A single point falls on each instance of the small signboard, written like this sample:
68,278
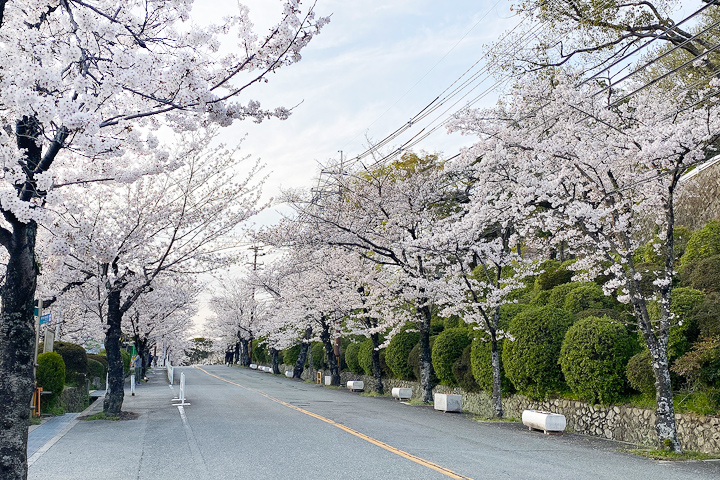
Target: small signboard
47,318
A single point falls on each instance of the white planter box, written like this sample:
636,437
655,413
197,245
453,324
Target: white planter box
546,421
402,393
289,373
355,386
268,369
328,379
253,366
448,402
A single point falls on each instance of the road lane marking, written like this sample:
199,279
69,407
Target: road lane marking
389,448
198,459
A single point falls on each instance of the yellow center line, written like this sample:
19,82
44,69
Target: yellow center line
389,448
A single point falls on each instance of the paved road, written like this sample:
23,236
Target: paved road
245,424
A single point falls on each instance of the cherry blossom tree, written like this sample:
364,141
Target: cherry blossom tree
96,78
594,175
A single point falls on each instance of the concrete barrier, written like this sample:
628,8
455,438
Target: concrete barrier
548,422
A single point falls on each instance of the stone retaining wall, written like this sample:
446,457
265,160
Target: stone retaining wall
626,424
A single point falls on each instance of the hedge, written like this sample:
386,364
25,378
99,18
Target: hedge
480,359
559,293
585,297
593,358
259,352
684,329
554,274
126,361
51,376
74,357
462,371
317,353
290,355
98,358
397,354
365,356
414,360
447,348
639,373
351,358
703,243
531,356
707,316
96,369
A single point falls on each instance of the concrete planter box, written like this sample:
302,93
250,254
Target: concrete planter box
546,421
289,373
402,393
355,386
253,366
328,379
448,402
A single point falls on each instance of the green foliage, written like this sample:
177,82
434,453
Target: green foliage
593,357
290,355
701,365
703,274
554,274
259,352
96,369
448,347
51,376
640,374
200,349
531,356
509,311
684,329
558,294
648,254
707,316
397,354
584,297
317,353
98,358
540,298
414,360
351,358
365,356
480,359
703,243
74,357
462,371
126,361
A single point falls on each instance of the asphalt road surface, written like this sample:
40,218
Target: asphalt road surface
246,424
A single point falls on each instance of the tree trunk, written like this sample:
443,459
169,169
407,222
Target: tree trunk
236,354
275,361
116,378
426,368
300,363
330,353
377,368
244,354
497,379
17,349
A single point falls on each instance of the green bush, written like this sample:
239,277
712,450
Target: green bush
51,376
414,360
397,354
317,353
707,316
126,361
593,358
448,347
351,358
365,356
290,355
703,243
531,356
703,274
684,329
480,359
509,311
98,358
386,372
540,298
586,296
462,371
260,352
554,274
559,293
639,373
701,365
74,357
96,369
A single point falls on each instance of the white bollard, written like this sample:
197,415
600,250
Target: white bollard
289,373
107,383
170,373
181,396
132,385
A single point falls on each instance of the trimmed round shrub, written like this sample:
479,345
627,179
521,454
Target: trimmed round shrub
708,316
558,294
317,353
414,360
397,353
126,358
703,274
448,347
593,358
96,369
684,329
462,371
509,311
554,274
351,358
639,373
365,356
386,372
540,298
481,358
74,357
703,243
98,358
51,376
585,297
531,356
259,352
290,355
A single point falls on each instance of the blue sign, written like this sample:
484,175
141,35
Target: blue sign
47,318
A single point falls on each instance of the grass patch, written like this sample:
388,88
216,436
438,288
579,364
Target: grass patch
372,394
100,416
34,421
418,401
668,455
497,420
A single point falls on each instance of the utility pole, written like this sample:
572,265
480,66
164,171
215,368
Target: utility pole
256,252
